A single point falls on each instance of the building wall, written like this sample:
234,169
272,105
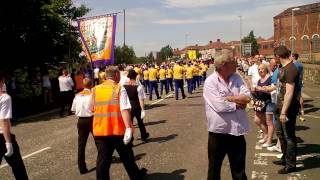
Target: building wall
306,27
266,47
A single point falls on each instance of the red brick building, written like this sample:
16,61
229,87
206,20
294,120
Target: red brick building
299,29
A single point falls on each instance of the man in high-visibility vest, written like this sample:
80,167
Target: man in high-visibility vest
178,71
112,127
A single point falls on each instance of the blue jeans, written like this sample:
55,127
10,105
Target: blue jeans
153,85
178,83
287,134
163,83
169,83
190,86
146,85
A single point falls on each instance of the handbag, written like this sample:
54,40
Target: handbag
259,105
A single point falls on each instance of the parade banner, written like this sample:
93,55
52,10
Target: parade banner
192,54
97,36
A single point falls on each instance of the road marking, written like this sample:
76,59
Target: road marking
260,160
270,154
161,99
29,155
259,175
312,116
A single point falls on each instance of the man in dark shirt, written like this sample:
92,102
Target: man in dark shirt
288,105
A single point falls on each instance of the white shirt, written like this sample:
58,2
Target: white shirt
124,79
82,105
124,99
141,93
46,81
65,83
253,71
5,108
96,73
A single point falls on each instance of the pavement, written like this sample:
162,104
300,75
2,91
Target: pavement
176,149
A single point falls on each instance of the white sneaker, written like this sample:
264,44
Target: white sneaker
265,145
274,149
261,141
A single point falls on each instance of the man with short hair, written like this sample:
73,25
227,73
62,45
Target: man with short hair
112,127
9,148
226,97
66,91
288,105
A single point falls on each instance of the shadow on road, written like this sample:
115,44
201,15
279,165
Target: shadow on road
157,139
154,122
194,96
301,128
314,160
116,159
314,109
175,175
150,106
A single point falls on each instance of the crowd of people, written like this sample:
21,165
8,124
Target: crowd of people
107,104
275,87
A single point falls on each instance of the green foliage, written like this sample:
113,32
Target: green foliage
37,31
198,54
254,45
124,55
166,52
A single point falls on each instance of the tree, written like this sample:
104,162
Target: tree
254,45
124,55
38,32
166,52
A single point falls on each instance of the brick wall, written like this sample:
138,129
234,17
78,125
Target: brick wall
306,25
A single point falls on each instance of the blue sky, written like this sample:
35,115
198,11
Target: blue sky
152,24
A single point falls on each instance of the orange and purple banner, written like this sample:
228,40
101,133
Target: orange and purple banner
97,37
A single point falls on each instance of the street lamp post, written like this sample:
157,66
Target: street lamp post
292,28
240,17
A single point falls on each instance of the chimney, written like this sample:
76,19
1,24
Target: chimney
218,40
210,42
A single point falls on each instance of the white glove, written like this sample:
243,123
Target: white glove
9,149
143,114
127,136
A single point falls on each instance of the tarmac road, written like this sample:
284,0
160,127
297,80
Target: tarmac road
177,147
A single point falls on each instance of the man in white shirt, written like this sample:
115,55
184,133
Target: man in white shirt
82,106
9,148
253,72
66,91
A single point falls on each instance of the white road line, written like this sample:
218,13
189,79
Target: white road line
29,155
161,99
312,116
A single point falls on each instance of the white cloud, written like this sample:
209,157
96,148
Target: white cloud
198,20
197,3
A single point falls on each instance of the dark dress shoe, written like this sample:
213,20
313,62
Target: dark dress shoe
84,171
286,170
142,173
145,137
279,162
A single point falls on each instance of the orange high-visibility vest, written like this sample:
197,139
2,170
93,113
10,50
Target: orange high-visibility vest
107,119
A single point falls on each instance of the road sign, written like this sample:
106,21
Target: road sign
246,49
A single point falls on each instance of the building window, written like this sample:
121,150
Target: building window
292,44
265,47
305,44
315,43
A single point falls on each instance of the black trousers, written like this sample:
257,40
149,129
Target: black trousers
287,135
106,146
136,113
84,128
15,160
66,98
220,145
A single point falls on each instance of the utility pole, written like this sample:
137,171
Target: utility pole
124,34
240,35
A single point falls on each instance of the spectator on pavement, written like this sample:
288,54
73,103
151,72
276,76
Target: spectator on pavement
66,91
226,97
288,104
9,148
